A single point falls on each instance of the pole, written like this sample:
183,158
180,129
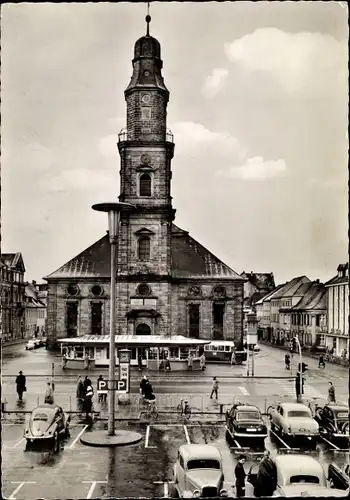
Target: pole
111,375
247,359
53,376
253,362
301,368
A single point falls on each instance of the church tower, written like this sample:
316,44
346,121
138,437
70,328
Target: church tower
146,148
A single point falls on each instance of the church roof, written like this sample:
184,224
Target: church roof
189,260
13,260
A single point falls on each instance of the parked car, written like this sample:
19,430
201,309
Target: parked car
198,472
333,420
338,477
30,345
47,424
293,420
297,476
245,421
38,342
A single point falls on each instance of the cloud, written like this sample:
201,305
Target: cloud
215,82
257,169
108,146
299,61
79,179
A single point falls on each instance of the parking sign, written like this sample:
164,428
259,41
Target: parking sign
102,387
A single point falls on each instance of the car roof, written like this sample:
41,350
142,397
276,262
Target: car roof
294,406
337,407
298,464
247,407
199,451
46,407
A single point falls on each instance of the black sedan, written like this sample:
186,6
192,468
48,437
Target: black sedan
245,421
333,421
338,477
47,425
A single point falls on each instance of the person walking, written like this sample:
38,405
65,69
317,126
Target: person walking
148,394
215,388
87,383
233,358
139,360
202,361
331,393
48,394
80,388
87,404
287,361
240,475
190,361
266,480
20,385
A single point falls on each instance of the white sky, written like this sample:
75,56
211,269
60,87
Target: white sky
258,107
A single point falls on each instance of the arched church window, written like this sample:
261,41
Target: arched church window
144,249
145,185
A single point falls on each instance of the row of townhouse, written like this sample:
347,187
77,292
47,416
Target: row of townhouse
23,305
318,313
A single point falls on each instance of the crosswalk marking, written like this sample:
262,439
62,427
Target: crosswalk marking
309,390
244,391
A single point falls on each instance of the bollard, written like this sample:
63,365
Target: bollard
37,401
221,408
70,403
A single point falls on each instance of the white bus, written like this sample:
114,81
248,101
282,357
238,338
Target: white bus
221,350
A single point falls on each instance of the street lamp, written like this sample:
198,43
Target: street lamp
113,209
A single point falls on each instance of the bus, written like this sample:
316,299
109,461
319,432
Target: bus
221,351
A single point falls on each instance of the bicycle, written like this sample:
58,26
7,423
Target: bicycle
183,409
152,410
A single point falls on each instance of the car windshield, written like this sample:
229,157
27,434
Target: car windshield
203,464
43,417
248,415
298,413
304,479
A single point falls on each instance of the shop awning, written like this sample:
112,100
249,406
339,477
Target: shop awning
135,340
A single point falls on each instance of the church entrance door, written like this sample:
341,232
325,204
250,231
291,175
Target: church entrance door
143,329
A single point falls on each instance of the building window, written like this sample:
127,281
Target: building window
145,185
144,248
146,113
97,290
317,320
143,329
72,290
96,318
193,315
218,321
72,319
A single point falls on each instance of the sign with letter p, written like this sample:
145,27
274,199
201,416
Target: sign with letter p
102,387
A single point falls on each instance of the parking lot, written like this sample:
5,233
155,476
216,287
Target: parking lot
143,469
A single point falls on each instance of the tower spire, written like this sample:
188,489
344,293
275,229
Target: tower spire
148,19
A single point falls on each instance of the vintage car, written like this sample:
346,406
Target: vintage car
293,420
245,421
338,477
333,421
297,476
47,424
198,472
30,345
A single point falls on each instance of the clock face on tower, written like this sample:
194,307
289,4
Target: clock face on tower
146,98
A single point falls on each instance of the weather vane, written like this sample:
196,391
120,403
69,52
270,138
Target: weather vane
148,18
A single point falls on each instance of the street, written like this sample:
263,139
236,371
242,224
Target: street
145,469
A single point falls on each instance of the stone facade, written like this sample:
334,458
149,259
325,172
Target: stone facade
167,283
12,297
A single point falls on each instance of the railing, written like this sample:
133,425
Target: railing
123,135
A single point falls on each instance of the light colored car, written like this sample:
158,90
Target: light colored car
298,476
293,420
30,345
198,472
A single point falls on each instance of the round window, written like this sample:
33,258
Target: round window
72,290
96,290
144,290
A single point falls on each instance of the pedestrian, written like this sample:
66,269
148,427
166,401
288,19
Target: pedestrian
148,394
143,383
87,383
87,405
139,359
266,480
215,388
298,386
321,362
233,358
202,361
80,388
48,394
287,361
240,477
20,385
190,361
331,393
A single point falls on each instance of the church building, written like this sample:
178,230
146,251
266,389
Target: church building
168,284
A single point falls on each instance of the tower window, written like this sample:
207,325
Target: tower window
72,319
144,248
218,321
145,185
146,113
96,318
193,313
